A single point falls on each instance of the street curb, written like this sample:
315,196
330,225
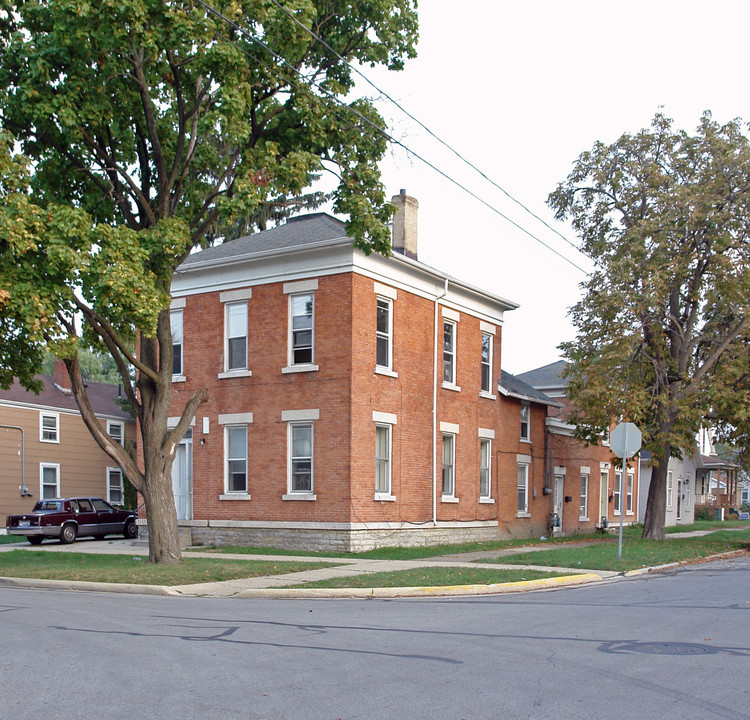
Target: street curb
87,586
428,591
682,563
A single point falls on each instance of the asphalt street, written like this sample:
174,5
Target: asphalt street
664,645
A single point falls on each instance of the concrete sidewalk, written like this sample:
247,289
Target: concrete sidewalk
270,585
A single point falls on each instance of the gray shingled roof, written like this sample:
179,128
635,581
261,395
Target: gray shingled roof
295,232
547,376
103,397
510,385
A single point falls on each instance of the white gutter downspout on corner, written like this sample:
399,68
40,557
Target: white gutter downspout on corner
434,408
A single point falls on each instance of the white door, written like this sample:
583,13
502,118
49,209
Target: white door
557,505
182,478
679,499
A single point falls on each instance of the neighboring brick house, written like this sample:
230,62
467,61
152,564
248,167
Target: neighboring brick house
586,485
47,451
353,398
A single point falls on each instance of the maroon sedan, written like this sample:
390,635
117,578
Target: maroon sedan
69,518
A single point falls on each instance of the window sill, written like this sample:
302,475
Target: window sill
234,374
54,442
384,497
178,378
299,496
583,519
379,370
299,368
487,395
525,440
523,515
486,501
234,496
448,499
450,386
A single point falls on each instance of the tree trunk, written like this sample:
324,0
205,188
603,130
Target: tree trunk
163,535
653,522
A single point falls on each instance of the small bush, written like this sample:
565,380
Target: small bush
704,513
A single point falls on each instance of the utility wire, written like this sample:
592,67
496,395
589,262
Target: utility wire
319,39
384,133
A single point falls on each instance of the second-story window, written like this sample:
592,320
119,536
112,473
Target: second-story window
175,321
486,362
236,319
302,328
383,353
524,421
49,427
449,352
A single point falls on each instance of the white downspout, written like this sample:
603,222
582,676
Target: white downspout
434,408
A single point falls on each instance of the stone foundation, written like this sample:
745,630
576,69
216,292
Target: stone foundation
336,537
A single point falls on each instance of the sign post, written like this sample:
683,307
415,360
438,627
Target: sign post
624,441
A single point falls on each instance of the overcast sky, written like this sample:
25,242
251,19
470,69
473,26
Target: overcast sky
521,89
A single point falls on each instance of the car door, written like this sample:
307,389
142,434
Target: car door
109,518
86,515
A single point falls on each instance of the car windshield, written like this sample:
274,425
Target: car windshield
47,505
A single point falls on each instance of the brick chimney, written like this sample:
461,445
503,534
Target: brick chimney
404,236
62,379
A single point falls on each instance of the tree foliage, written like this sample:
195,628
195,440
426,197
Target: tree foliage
662,330
137,130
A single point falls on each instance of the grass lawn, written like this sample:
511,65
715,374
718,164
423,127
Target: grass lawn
11,539
430,577
636,552
136,569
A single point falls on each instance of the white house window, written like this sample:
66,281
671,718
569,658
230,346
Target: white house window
175,321
49,427
687,490
523,488
524,421
115,431
236,462
486,362
301,341
114,486
485,460
49,480
449,464
301,458
236,333
584,504
384,334
670,489
618,488
383,459
449,352
629,495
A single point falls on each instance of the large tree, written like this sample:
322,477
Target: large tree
138,130
663,327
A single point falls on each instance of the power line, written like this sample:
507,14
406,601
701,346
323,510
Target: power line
385,134
445,144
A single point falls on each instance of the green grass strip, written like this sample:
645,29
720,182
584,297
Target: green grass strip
136,568
429,577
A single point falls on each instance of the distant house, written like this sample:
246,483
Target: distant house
586,485
47,451
681,491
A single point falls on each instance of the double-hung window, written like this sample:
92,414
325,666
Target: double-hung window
449,465
236,458
114,486
629,494
301,458
449,352
175,321
115,431
384,334
687,490
49,480
301,341
618,492
523,488
382,459
486,363
524,421
236,345
584,501
49,427
670,489
485,461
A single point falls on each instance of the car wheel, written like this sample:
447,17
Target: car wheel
35,539
131,530
68,534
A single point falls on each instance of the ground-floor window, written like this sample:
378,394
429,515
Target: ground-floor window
584,504
300,457
485,459
523,488
49,480
114,486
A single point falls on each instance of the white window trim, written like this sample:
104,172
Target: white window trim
121,425
450,322
488,392
630,481
385,495
45,414
239,371
42,467
388,367
524,463
293,419
228,425
670,489
385,291
584,516
488,497
527,436
122,485
180,376
448,433
291,366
